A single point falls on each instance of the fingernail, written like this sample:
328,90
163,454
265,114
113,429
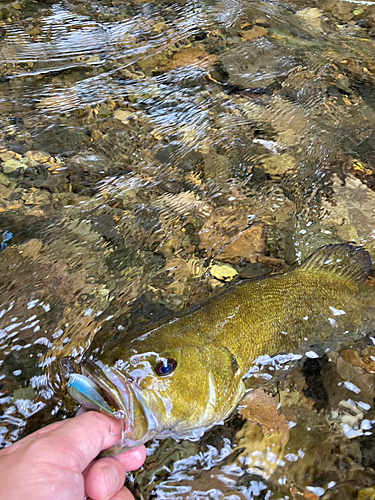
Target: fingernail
111,478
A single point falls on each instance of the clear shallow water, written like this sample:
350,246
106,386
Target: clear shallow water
142,144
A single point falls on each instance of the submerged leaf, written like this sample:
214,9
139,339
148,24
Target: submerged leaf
223,272
260,408
264,435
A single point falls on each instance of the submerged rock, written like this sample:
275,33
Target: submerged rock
7,155
257,64
278,165
226,237
351,211
10,166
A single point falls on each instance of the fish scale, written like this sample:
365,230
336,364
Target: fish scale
207,350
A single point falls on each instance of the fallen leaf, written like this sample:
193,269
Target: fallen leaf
364,359
223,272
366,494
309,495
260,408
264,434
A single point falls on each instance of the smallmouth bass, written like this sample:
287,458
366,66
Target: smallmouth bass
180,378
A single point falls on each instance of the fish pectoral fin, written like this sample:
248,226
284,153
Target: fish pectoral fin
226,375
348,262
225,360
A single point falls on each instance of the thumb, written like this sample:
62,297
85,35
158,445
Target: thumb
87,435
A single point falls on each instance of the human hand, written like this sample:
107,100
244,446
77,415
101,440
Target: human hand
57,462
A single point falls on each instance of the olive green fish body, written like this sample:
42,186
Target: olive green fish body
183,376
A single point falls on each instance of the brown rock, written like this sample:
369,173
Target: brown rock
223,225
278,165
34,197
272,261
247,245
96,134
364,359
37,156
226,237
7,155
255,32
31,248
191,57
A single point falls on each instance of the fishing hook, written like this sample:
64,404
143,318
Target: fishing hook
120,415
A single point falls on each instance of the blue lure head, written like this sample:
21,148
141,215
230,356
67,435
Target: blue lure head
87,393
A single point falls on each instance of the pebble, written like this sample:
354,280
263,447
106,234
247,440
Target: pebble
53,167
37,156
34,197
96,134
7,155
11,165
4,180
123,115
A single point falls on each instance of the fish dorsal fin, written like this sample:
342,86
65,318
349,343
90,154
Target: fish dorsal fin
345,261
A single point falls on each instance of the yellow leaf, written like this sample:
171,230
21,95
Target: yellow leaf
223,272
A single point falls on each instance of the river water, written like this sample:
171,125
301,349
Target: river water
155,152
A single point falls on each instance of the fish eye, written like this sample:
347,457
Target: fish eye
165,367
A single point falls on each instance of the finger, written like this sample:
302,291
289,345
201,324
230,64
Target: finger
26,439
48,428
132,459
86,436
105,478
123,494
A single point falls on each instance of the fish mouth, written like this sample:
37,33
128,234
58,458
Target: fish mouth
109,392
128,402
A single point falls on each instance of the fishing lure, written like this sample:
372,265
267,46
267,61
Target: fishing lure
87,393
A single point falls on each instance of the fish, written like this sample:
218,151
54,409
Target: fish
184,375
